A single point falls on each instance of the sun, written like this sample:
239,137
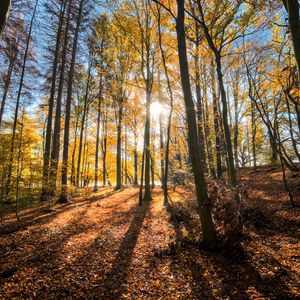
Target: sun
156,109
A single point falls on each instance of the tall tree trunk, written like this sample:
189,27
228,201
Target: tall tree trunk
6,86
167,150
135,181
84,115
147,194
142,177
236,120
253,133
228,144
12,146
64,192
161,148
45,189
104,148
19,165
199,103
206,124
98,138
125,156
208,229
57,122
216,122
292,7
119,146
73,169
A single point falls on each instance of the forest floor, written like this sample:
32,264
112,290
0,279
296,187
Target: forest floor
103,246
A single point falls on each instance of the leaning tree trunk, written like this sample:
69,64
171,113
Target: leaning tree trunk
6,87
208,229
12,146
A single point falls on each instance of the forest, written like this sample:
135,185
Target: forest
150,149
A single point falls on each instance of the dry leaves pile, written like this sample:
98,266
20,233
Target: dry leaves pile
105,247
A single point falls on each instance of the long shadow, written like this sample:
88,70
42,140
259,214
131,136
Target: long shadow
184,258
45,253
239,274
234,268
41,217
111,288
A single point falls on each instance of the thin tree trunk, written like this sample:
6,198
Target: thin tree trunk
73,169
216,122
19,167
12,146
199,103
228,144
167,150
236,120
6,87
135,161
119,147
253,129
161,148
207,127
84,115
104,148
98,138
147,194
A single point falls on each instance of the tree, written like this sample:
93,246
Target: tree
292,7
4,11
25,57
64,192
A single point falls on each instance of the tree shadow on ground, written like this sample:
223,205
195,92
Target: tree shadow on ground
230,272
39,216
111,288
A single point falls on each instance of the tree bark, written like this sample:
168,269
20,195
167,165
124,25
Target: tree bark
4,11
64,192
12,146
6,87
208,229
57,123
292,8
45,189
119,146
98,138
216,122
84,115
